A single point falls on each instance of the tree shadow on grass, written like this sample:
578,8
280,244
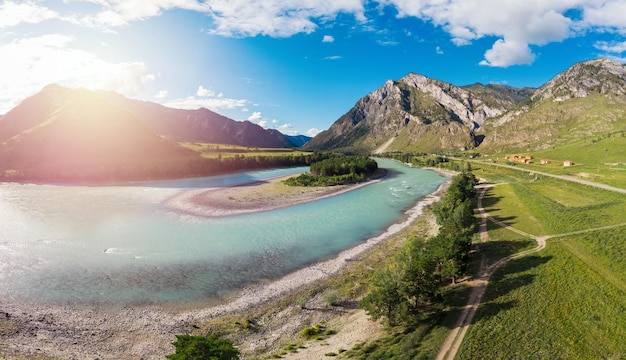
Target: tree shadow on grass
490,200
506,220
511,277
504,281
496,250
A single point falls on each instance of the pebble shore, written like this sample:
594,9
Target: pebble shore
101,331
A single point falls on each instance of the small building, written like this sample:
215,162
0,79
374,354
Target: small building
545,161
568,163
522,159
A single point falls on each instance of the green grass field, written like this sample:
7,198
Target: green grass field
567,301
555,305
601,159
546,206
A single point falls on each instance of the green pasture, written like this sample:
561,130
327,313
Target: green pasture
556,304
600,158
541,205
567,301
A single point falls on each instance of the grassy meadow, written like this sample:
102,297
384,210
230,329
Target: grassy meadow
555,305
601,159
567,301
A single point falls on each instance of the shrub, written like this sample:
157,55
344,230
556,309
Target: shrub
212,347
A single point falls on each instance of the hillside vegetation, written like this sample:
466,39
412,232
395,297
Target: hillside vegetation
418,114
557,124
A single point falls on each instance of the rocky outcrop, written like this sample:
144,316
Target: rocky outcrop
586,100
416,111
583,79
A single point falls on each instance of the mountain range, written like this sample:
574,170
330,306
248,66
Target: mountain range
77,131
61,132
420,114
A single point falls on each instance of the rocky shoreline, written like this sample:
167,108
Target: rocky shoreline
101,331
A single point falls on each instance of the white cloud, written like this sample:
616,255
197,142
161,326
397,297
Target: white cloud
162,94
313,131
274,121
214,104
516,23
505,53
209,99
116,13
387,42
12,13
29,64
256,116
334,57
611,47
263,124
438,50
606,14
277,18
203,92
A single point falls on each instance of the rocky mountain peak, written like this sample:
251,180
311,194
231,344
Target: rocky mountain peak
583,79
416,107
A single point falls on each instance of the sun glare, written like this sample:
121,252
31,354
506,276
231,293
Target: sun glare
29,64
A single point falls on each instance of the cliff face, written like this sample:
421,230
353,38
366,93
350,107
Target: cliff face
418,113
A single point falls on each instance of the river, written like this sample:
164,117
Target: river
123,245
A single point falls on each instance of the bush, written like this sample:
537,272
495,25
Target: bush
318,331
212,347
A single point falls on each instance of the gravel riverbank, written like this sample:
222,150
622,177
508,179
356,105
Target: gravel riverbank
101,331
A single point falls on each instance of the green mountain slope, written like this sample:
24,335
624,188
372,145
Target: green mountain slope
586,100
416,113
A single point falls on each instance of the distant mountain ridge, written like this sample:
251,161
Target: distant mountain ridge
62,133
201,125
298,140
417,113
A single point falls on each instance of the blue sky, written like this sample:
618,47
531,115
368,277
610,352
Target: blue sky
294,65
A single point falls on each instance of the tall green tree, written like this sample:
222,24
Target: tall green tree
410,286
404,290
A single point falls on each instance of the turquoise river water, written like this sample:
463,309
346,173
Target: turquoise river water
122,244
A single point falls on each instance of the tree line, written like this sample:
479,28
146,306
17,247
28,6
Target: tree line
409,288
336,169
125,171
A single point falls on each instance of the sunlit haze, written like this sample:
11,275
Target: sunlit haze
292,65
